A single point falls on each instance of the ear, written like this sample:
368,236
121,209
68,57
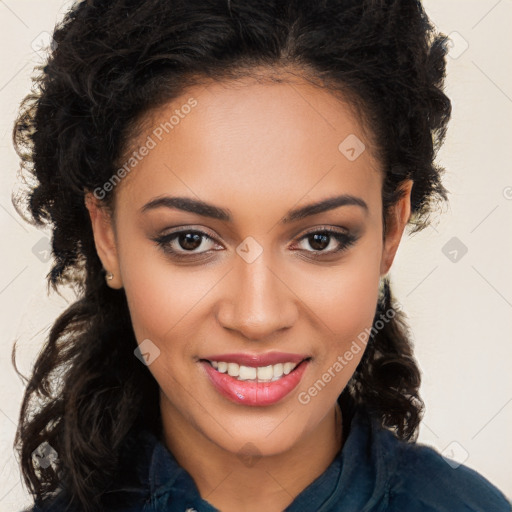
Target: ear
398,217
104,238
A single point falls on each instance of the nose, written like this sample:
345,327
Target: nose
257,301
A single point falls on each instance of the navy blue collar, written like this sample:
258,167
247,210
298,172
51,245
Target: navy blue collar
354,477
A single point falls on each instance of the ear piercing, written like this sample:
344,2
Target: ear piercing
109,276
381,289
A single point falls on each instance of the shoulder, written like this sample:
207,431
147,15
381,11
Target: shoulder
423,480
129,490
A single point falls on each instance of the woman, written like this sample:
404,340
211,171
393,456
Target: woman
228,184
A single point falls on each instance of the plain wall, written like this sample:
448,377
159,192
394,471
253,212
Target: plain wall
459,304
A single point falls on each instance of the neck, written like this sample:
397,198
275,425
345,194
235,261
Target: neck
269,482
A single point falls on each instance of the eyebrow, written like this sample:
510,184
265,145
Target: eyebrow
204,209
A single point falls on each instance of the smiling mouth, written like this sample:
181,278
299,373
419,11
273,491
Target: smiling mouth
268,373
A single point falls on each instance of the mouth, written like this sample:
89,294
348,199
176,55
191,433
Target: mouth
251,373
254,385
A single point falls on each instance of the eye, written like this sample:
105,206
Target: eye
327,241
185,243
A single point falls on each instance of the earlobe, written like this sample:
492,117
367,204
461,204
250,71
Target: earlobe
398,218
104,239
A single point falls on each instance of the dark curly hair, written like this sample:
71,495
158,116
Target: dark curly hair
113,62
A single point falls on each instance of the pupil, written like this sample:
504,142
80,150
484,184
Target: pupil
189,240
320,241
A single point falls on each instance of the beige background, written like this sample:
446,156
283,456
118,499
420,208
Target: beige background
460,312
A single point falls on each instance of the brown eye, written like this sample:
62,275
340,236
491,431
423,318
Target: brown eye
319,241
185,243
189,241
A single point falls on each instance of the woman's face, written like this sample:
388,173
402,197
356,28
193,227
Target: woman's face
249,276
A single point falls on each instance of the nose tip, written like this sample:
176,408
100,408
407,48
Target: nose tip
256,303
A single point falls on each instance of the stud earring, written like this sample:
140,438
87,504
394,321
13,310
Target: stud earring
109,276
381,289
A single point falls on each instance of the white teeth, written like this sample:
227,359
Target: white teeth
278,370
265,372
288,367
246,373
233,369
262,373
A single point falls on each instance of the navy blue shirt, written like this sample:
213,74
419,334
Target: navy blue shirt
374,472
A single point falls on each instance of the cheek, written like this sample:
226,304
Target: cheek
163,299
343,300
357,303
166,307
343,297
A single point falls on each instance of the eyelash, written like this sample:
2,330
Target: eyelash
345,240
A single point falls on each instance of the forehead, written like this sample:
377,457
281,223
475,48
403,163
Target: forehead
246,140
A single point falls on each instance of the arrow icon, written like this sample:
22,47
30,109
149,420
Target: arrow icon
454,253
42,249
351,147
147,352
249,245
454,249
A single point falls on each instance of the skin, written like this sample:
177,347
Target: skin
259,150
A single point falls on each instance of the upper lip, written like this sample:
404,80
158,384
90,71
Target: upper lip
256,360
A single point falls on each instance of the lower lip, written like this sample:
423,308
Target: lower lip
255,393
